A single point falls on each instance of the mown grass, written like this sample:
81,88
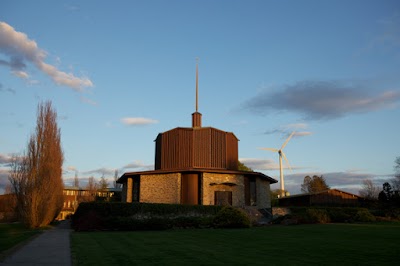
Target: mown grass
325,244
13,234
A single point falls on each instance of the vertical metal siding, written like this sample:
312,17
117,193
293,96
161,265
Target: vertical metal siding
190,189
183,148
201,148
232,151
218,149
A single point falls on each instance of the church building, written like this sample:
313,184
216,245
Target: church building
197,165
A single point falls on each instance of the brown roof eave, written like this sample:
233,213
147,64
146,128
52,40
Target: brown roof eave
247,173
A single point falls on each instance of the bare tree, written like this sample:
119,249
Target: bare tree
91,189
36,177
116,185
396,183
396,180
369,190
103,184
397,165
76,180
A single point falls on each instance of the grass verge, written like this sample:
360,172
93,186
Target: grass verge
327,244
12,235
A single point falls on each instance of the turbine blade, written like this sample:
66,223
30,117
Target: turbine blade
269,149
287,161
287,140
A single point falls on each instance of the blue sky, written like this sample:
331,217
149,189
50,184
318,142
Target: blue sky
120,72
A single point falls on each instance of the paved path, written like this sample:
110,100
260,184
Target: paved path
50,248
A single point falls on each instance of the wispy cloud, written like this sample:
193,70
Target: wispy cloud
286,130
20,49
5,159
72,168
138,121
101,171
88,101
387,37
20,74
324,100
260,164
350,181
138,165
10,90
71,7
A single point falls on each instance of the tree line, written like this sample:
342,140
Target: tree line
389,193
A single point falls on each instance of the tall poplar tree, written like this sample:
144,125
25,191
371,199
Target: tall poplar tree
36,178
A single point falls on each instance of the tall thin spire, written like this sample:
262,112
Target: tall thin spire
197,84
196,116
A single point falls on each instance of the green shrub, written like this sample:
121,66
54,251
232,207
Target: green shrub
87,221
363,215
318,216
230,217
339,215
141,216
300,215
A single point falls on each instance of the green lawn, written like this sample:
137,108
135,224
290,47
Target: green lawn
333,244
13,234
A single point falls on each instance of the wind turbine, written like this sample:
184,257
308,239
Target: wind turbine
281,154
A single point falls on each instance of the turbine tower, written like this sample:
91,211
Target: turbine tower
281,154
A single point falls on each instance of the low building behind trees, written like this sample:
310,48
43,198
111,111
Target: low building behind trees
330,197
75,195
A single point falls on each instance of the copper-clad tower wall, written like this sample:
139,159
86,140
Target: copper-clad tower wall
187,148
196,119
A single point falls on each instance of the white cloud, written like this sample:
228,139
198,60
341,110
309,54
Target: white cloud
20,74
71,168
138,165
138,121
21,49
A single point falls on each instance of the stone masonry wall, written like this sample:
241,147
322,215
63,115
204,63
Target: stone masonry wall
160,188
215,180
263,194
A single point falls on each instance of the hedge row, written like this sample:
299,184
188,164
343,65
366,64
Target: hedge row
148,216
129,209
327,215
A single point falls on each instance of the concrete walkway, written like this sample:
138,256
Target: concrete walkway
50,248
